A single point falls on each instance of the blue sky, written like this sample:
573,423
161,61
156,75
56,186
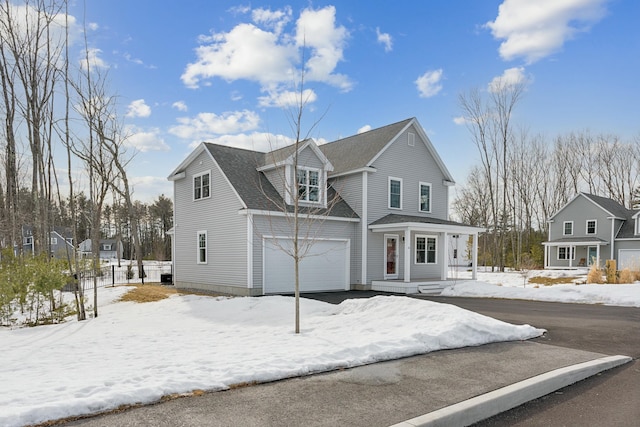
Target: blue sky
223,71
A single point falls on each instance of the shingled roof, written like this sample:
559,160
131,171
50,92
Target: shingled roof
357,151
255,190
610,205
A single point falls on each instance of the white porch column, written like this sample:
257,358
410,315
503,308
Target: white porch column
546,256
445,256
572,250
598,256
407,255
474,257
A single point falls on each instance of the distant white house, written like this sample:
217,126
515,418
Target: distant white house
109,249
459,250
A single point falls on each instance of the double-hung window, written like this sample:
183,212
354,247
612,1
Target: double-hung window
201,186
567,228
426,249
425,197
308,185
591,226
395,193
202,247
566,252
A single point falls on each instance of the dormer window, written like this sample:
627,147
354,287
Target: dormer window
308,185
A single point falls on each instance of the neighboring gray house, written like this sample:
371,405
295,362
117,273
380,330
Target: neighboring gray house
61,242
590,229
108,249
388,229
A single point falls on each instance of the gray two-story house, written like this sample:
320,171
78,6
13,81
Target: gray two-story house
373,215
590,229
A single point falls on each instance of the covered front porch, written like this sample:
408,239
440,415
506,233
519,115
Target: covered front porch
574,252
418,251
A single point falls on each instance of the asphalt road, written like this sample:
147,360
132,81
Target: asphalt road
609,399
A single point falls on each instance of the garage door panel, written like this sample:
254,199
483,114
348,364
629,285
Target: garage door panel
325,266
629,258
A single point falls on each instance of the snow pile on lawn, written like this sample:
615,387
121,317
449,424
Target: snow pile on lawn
137,353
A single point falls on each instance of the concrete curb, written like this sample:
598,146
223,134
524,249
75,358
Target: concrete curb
487,405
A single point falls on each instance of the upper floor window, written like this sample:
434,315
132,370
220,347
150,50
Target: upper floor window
591,226
395,193
54,241
202,247
425,197
308,185
201,186
106,247
567,228
426,249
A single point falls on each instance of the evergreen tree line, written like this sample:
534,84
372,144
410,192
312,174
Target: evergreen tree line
525,178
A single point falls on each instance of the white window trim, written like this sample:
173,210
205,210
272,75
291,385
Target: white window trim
637,226
568,249
564,228
595,227
193,185
415,253
54,241
411,139
426,184
206,247
106,246
391,178
322,193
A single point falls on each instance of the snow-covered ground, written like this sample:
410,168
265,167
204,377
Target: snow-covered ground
137,353
512,285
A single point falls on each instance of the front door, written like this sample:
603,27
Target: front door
592,254
391,257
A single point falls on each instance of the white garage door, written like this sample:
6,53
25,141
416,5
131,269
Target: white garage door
324,268
629,258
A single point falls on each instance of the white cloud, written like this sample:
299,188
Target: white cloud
429,83
365,128
148,188
460,120
264,52
257,141
275,20
385,39
138,108
535,29
287,99
145,140
316,29
206,126
93,26
509,78
180,106
91,59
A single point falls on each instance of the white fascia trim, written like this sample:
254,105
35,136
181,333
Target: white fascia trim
177,176
351,172
286,214
425,227
631,239
587,243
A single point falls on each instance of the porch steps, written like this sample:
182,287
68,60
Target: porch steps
431,288
427,288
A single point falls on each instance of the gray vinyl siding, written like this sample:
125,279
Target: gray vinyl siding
350,189
277,178
413,165
226,232
282,227
308,158
580,210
